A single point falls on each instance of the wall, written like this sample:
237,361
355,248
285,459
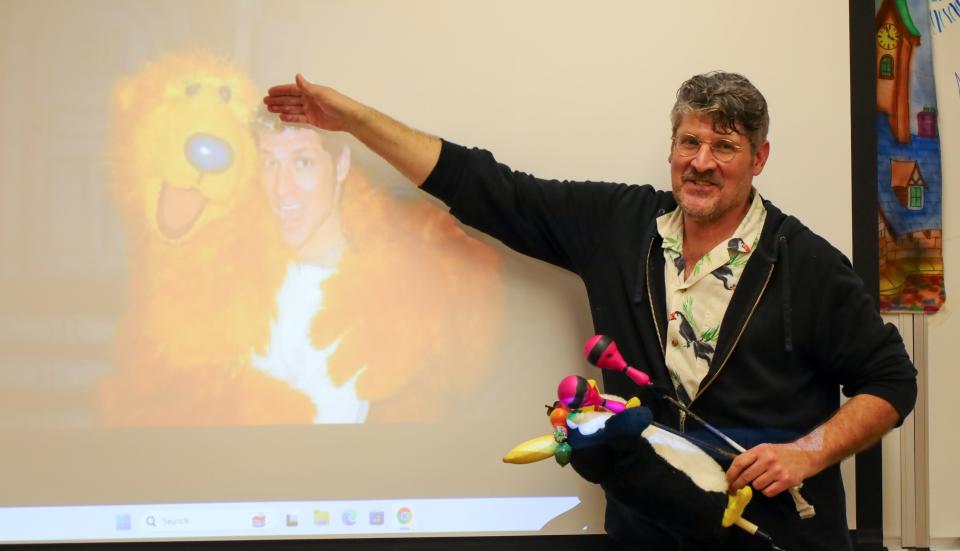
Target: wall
944,327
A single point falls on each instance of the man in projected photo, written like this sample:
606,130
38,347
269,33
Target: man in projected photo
301,177
357,322
737,308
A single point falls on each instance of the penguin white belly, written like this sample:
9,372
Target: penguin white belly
687,457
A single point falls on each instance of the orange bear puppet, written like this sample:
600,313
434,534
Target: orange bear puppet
406,323
205,255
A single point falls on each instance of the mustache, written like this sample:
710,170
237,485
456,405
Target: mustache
710,176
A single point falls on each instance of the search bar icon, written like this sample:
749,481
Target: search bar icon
216,519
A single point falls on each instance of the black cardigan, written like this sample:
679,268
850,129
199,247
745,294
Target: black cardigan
798,327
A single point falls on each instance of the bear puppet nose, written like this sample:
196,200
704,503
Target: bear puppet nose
208,153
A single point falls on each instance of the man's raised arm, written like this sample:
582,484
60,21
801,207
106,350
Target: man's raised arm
410,151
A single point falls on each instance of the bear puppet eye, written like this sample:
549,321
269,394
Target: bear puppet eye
225,93
192,88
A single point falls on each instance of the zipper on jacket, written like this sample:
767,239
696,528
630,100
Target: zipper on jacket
737,340
656,325
653,312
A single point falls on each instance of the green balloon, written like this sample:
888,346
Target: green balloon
562,454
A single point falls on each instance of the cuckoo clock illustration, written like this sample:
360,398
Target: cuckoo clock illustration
896,38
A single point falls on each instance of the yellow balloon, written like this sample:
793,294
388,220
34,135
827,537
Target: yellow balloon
735,506
533,450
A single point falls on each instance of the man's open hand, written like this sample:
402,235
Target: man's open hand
307,103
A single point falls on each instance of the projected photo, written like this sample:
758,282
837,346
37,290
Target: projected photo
269,281
214,326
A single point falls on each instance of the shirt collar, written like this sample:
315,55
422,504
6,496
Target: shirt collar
670,228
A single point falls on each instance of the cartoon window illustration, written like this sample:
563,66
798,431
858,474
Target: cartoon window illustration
916,198
886,67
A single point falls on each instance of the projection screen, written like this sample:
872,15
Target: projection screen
183,356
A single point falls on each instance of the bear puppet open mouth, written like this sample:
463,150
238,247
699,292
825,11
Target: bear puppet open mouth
178,209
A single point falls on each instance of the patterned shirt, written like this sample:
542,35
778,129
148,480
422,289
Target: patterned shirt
696,305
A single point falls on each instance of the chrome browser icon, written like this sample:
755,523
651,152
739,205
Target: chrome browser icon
404,515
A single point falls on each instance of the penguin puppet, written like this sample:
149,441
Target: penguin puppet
661,474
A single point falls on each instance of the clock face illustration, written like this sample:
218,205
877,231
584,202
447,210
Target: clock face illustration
888,36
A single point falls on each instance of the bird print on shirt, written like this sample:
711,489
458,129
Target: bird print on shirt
738,245
689,332
729,273
679,263
725,274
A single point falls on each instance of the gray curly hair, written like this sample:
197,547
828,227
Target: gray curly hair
733,101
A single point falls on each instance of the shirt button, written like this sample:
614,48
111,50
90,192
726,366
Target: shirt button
675,342
683,289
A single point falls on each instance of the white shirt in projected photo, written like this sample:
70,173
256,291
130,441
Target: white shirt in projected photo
293,358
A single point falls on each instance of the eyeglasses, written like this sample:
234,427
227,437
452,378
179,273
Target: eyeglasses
688,145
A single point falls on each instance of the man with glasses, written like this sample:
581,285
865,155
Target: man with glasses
733,307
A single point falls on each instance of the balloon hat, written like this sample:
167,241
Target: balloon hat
576,392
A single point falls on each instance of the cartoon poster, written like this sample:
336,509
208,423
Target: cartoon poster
909,178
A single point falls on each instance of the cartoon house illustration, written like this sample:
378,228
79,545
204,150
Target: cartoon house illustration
896,38
910,236
907,183
909,180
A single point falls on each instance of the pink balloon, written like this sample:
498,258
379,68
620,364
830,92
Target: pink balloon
602,352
